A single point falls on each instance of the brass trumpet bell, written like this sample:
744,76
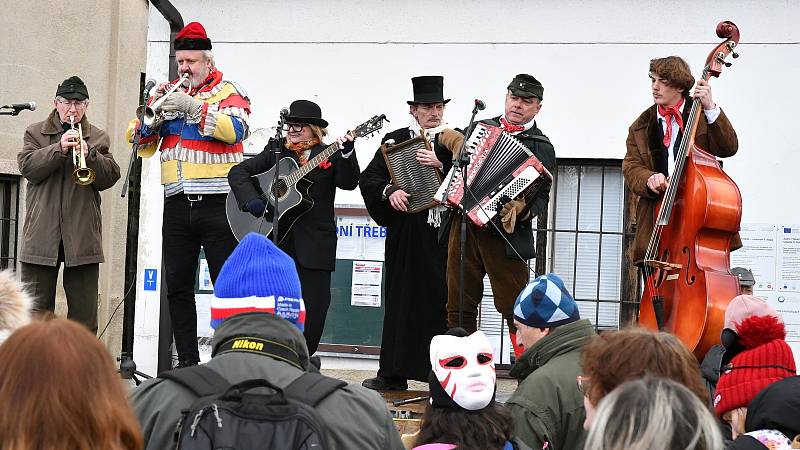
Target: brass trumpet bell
82,175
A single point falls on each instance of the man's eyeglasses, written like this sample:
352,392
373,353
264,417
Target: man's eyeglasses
78,104
297,127
584,384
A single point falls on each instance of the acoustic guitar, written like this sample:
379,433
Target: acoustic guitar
289,192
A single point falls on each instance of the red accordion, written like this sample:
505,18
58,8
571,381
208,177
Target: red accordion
501,168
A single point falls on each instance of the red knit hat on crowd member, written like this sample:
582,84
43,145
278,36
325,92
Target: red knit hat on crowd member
744,306
192,37
767,358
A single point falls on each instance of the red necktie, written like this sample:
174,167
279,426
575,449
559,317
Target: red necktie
511,128
671,113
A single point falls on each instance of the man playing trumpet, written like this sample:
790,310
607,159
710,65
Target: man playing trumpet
62,218
201,127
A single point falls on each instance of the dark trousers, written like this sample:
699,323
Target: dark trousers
189,224
485,253
80,285
316,286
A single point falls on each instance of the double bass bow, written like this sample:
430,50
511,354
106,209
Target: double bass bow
688,282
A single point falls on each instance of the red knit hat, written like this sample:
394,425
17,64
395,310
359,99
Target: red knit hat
767,359
192,37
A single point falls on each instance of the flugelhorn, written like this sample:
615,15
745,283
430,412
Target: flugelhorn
148,113
82,174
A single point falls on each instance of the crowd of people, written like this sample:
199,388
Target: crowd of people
577,389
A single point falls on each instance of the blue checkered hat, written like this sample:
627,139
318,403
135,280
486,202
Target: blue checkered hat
546,303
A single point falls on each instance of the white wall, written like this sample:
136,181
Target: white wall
355,58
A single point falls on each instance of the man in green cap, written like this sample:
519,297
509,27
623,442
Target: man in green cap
503,258
62,218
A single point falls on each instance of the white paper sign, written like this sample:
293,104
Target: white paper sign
359,237
366,287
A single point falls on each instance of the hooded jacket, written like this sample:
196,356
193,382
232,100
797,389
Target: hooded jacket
547,405
777,407
355,417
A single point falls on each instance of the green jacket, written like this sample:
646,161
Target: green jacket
355,417
547,405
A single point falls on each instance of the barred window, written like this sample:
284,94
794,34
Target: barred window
9,219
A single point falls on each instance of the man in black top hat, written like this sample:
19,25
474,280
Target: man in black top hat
416,289
311,240
503,258
62,218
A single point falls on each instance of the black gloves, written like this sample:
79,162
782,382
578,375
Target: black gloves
255,206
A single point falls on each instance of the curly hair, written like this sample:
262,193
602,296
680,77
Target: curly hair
59,391
608,361
675,70
485,429
653,414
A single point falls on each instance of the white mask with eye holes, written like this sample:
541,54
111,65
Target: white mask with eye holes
464,367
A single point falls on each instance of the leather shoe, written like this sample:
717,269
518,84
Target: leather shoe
185,363
385,384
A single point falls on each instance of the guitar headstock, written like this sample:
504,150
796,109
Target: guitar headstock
716,59
369,127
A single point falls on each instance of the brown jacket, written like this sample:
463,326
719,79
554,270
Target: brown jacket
56,208
718,138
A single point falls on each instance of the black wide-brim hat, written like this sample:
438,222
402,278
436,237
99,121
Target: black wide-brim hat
428,89
306,111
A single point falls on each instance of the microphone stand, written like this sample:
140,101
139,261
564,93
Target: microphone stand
137,136
273,187
461,163
12,112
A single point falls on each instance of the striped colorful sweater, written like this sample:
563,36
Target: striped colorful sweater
207,148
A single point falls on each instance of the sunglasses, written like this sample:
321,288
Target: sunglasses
584,384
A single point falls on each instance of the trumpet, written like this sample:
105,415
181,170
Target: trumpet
82,174
148,113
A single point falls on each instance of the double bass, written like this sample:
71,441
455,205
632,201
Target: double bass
688,282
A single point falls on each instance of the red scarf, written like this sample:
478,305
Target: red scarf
508,126
671,113
300,148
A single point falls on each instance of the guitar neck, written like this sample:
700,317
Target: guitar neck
313,163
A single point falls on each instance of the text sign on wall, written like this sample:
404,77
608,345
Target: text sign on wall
360,238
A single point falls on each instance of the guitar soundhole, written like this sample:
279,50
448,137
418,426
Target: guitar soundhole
279,189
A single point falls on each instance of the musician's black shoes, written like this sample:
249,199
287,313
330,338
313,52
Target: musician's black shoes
185,363
385,384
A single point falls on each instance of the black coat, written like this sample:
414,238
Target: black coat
416,287
313,236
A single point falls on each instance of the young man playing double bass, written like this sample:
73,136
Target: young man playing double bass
654,139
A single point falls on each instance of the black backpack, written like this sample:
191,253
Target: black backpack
228,416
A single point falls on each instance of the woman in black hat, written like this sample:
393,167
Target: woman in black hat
311,241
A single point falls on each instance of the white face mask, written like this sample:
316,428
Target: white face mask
464,367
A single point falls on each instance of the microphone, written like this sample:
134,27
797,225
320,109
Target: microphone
17,107
480,105
284,111
149,85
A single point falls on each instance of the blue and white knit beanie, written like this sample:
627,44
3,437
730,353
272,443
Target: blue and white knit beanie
258,276
546,303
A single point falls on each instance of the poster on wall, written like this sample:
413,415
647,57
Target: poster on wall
366,287
772,253
758,253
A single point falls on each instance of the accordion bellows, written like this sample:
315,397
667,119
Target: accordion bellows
501,169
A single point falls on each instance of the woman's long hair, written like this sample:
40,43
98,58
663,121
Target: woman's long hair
485,429
59,391
653,414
